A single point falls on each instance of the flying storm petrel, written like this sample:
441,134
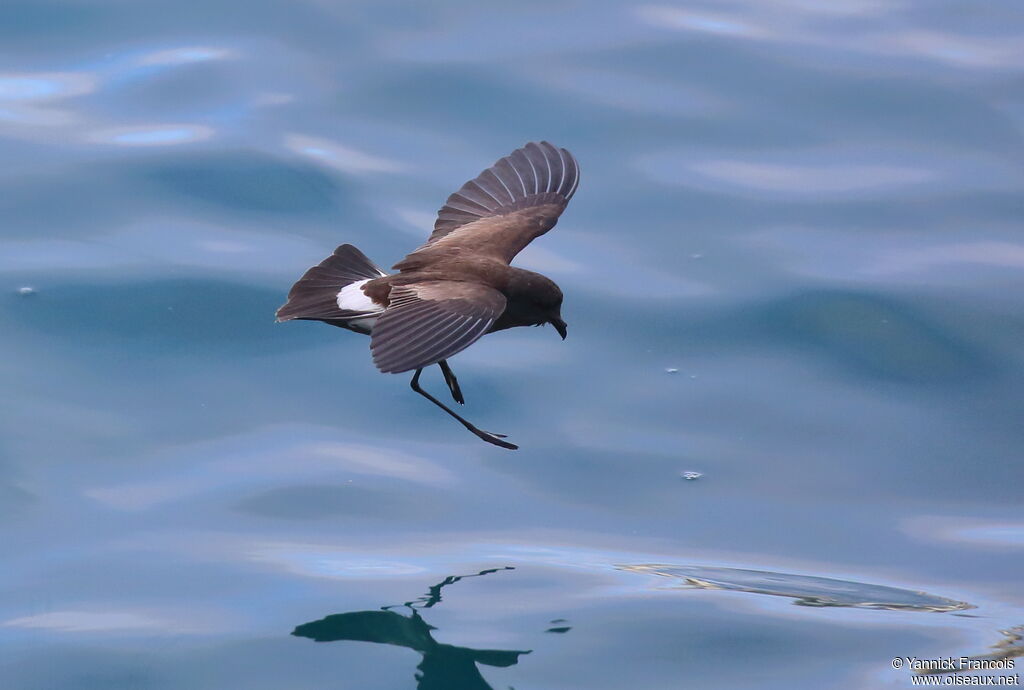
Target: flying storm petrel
459,285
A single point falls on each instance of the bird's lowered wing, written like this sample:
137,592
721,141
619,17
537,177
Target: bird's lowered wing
506,206
429,321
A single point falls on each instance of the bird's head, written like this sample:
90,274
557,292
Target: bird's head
547,300
559,325
538,300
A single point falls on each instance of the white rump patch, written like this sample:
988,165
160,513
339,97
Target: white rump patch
352,298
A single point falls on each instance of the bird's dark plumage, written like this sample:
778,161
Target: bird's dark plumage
506,206
459,285
315,295
430,321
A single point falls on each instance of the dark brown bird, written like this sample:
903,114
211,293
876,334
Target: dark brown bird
459,285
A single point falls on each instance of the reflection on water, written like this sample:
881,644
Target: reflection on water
559,628
443,666
807,590
1010,647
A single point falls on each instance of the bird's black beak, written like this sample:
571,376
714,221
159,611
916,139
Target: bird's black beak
559,326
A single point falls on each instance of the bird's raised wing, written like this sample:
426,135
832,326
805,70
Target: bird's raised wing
432,320
506,206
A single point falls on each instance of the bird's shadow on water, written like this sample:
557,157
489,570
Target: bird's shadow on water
443,666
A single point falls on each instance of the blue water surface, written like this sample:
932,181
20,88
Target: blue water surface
794,265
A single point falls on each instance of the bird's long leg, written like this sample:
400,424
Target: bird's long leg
453,383
482,435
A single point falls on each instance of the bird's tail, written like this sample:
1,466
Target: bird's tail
315,295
